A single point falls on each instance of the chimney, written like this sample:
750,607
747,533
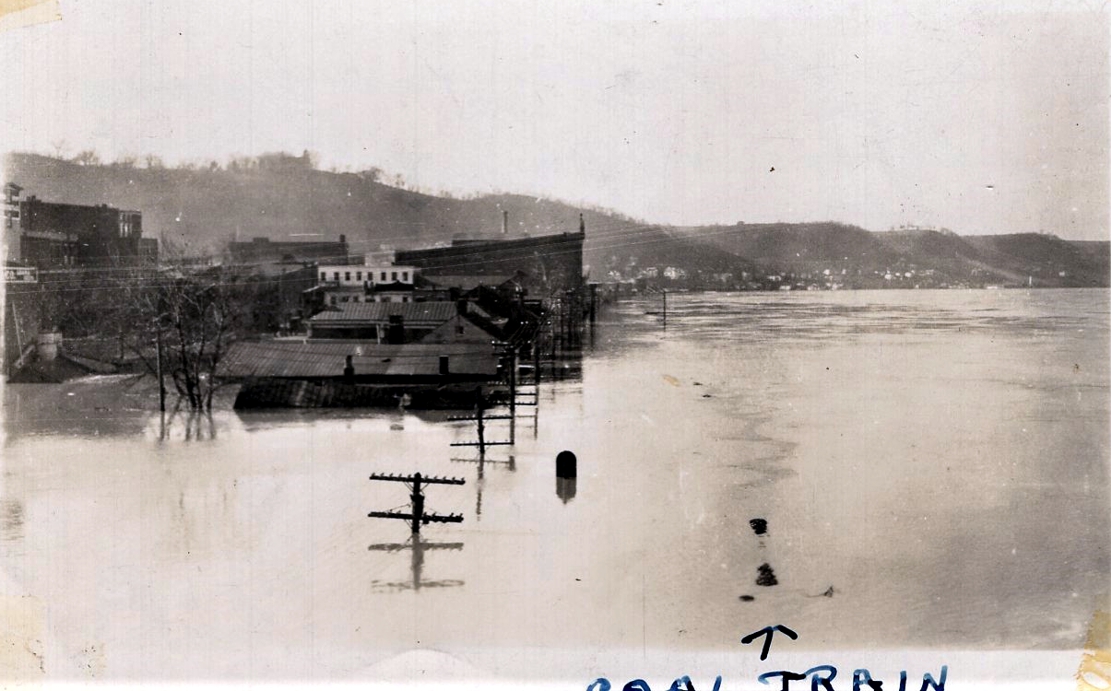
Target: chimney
504,222
444,369
582,225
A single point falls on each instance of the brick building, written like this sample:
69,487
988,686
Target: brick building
52,235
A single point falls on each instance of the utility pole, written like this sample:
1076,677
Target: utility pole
480,417
512,394
665,308
18,332
161,381
417,515
593,302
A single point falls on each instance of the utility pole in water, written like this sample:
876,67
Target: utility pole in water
480,417
417,515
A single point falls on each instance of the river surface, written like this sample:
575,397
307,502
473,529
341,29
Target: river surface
931,467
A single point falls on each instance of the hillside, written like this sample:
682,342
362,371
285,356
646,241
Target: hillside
931,257
204,209
283,197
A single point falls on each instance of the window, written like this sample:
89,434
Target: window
347,275
324,275
405,275
383,275
393,275
335,275
358,275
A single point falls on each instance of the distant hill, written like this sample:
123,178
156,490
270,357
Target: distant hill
933,257
282,197
203,210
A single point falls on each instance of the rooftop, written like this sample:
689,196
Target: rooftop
410,312
296,358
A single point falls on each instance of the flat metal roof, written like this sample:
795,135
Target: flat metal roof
327,358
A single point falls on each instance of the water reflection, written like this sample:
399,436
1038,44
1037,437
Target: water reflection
11,519
565,488
854,431
417,547
481,462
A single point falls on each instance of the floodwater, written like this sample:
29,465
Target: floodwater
890,469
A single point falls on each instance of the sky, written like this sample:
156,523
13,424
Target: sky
983,117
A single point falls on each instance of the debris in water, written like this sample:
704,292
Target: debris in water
766,575
746,598
759,525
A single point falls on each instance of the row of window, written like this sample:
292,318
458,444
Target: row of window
355,298
359,276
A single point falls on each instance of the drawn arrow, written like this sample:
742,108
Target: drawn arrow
768,632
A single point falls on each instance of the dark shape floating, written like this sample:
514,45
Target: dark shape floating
759,525
766,576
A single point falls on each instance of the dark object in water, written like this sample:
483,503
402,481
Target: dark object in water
759,525
566,465
746,598
766,576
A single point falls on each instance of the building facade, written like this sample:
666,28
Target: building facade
341,283
52,235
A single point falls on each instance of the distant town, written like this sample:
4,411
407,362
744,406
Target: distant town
317,288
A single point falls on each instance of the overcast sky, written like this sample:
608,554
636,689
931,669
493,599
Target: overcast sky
976,116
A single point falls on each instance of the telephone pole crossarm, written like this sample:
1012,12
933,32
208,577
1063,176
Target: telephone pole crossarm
437,518
430,480
417,515
390,514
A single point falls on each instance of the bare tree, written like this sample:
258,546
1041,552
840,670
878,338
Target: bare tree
180,319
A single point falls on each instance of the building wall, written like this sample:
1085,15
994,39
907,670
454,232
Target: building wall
58,235
552,264
347,275
53,235
266,250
